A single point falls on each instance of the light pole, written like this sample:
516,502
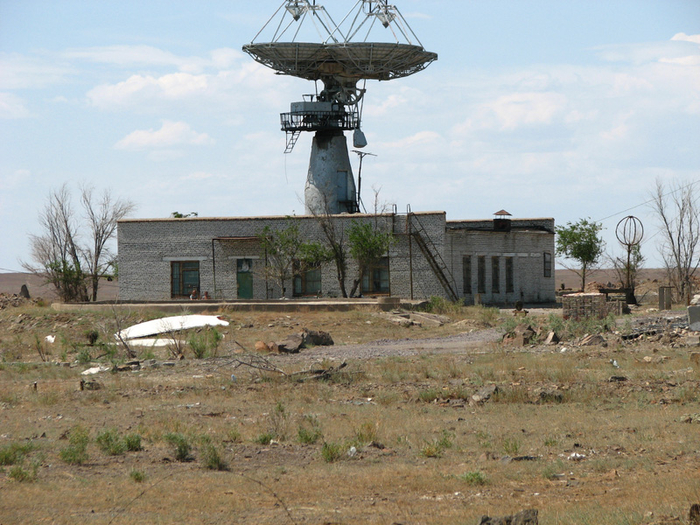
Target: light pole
362,155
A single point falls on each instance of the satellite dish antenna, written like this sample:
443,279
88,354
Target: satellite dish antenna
345,54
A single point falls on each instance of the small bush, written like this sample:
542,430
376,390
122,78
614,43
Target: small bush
440,305
205,343
429,395
110,442
474,477
332,452
76,451
366,433
211,459
436,447
511,446
133,442
181,444
138,476
264,439
19,473
14,453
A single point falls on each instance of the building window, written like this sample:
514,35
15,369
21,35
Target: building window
376,277
467,274
547,264
495,275
509,275
184,277
481,274
308,282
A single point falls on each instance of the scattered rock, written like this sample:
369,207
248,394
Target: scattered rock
483,395
525,517
694,513
316,338
690,418
617,379
24,292
262,347
552,338
291,345
593,340
522,335
89,385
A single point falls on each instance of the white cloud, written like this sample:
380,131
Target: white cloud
12,107
169,135
686,38
137,87
134,56
24,72
518,109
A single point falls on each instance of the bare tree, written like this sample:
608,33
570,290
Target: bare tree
678,212
55,253
70,252
102,215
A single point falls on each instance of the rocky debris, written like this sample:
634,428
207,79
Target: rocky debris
316,338
293,343
690,418
656,359
14,300
552,338
694,512
695,301
522,335
548,396
262,347
593,340
483,395
89,385
694,318
691,340
525,517
617,379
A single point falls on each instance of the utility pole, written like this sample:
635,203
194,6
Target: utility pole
362,155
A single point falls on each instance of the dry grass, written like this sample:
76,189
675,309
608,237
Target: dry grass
423,454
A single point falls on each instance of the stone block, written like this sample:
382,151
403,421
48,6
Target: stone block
694,318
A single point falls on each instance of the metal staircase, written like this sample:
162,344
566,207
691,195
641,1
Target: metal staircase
292,137
432,254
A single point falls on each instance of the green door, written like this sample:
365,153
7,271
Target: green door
244,277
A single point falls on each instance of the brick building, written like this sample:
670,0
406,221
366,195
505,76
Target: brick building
495,261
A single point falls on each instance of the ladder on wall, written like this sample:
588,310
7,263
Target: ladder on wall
432,255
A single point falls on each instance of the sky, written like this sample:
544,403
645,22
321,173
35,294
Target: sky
545,108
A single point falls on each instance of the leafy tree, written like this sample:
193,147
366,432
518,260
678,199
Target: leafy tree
286,254
678,211
581,243
178,215
367,244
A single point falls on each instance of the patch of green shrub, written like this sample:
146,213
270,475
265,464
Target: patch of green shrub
181,445
76,451
110,442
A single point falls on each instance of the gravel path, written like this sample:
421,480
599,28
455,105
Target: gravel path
399,347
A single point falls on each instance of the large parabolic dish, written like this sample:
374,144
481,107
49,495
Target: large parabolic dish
346,55
351,60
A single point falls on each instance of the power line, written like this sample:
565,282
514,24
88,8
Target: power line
647,202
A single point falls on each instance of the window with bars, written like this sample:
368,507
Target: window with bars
467,274
184,277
